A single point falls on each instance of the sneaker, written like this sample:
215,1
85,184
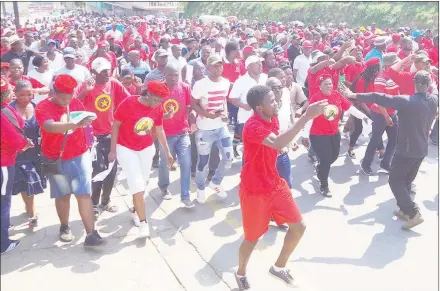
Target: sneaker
381,155
242,282
236,154
366,170
188,203
284,275
33,221
109,207
399,214
351,154
93,239
65,233
96,211
11,226
134,217
218,190
201,197
14,244
416,220
385,169
144,229
166,195
325,191
312,159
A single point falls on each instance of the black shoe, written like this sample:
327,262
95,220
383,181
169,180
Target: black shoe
13,244
351,154
65,233
367,170
93,239
325,191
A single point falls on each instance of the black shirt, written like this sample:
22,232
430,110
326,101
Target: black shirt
24,57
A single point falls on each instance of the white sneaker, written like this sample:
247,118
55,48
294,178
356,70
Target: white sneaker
201,197
144,229
134,217
218,190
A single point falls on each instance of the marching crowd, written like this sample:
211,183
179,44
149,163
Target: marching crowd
168,93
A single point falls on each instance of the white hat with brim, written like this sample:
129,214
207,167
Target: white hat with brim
252,59
101,64
380,41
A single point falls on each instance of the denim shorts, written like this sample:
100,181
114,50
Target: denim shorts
76,177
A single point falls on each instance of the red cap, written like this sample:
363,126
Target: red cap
4,84
322,78
158,89
110,36
396,37
103,43
65,83
248,49
21,30
372,62
307,44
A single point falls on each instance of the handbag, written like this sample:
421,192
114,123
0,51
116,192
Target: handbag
50,167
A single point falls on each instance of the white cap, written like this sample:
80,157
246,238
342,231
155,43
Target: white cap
252,59
100,64
317,56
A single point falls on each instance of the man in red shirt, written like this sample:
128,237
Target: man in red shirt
176,107
64,139
394,45
102,95
406,50
433,52
263,193
103,52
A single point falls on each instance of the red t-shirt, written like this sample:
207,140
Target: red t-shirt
404,80
259,175
137,121
426,43
433,55
132,89
180,99
51,142
103,100
401,55
384,84
322,126
35,84
312,79
11,141
392,48
353,70
233,71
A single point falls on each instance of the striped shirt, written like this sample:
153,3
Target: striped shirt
212,97
384,84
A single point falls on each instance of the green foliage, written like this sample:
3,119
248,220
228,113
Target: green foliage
384,14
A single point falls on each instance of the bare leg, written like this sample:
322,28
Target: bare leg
291,240
85,207
29,204
63,208
244,254
139,205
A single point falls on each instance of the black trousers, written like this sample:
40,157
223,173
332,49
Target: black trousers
403,172
326,148
101,164
354,136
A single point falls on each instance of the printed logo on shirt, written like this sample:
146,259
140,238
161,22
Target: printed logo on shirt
103,102
171,105
143,126
64,119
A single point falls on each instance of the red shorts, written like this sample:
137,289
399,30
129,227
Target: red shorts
257,209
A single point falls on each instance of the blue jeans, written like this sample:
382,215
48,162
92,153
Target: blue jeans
378,126
180,146
204,141
7,181
284,167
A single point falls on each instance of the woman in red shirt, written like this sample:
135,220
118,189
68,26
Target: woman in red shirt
12,140
324,134
64,139
136,120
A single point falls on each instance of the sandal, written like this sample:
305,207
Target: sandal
109,207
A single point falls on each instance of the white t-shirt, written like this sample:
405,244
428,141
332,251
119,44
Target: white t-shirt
302,64
239,91
43,78
285,111
79,73
179,63
57,63
212,97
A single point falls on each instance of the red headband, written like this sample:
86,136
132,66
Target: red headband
65,83
158,89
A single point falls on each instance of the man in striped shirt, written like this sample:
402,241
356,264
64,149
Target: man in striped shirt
384,119
209,102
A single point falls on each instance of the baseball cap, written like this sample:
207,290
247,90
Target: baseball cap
277,50
422,58
422,77
252,59
248,49
101,64
214,59
160,53
307,44
126,72
69,52
51,41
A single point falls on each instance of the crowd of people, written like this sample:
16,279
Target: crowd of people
179,93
